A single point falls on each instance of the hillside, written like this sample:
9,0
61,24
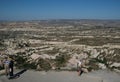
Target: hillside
55,44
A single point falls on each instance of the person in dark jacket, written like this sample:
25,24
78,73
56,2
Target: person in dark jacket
11,65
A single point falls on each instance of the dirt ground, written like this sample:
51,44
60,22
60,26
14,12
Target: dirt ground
64,76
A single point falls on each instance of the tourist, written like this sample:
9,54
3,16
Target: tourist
6,63
11,64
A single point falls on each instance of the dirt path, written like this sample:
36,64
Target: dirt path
65,76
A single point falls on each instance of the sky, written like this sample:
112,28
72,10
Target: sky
59,9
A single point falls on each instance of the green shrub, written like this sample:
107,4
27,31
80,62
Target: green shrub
44,64
61,60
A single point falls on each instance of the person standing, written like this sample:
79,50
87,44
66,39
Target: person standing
1,64
79,67
11,65
6,63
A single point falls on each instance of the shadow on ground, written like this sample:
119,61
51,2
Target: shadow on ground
17,75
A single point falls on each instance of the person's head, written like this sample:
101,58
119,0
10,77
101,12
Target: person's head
6,57
76,57
10,57
81,60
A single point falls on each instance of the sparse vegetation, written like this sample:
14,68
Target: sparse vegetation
44,64
55,42
97,41
61,60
